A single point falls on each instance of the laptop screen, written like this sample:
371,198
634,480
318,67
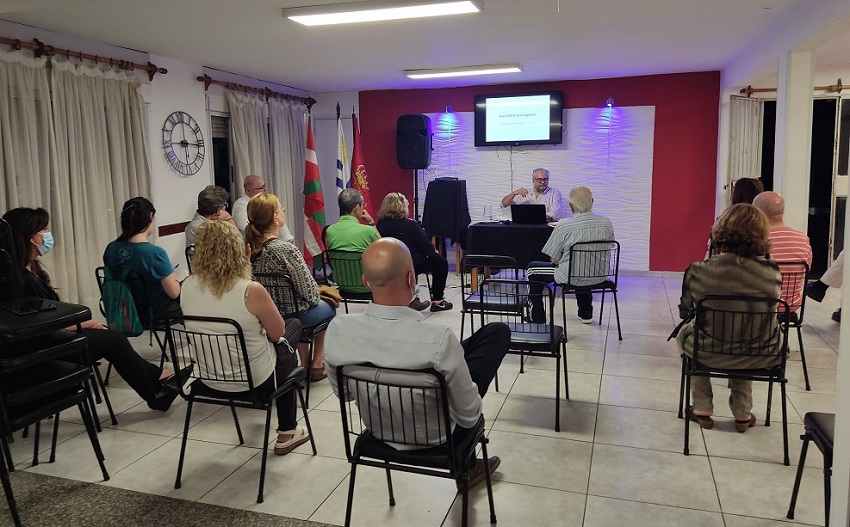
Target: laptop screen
531,213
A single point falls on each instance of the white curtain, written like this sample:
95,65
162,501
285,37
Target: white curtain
101,161
250,134
25,132
745,124
288,121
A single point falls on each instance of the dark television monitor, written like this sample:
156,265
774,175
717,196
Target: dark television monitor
516,119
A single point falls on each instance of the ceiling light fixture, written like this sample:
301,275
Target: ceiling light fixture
377,10
463,71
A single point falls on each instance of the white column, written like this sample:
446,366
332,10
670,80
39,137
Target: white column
723,139
840,507
792,155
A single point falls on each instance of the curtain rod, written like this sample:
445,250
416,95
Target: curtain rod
42,49
832,88
267,93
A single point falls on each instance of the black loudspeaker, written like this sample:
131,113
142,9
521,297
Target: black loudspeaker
413,141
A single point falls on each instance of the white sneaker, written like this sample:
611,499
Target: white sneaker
585,320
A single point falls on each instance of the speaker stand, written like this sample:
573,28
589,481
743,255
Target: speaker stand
416,196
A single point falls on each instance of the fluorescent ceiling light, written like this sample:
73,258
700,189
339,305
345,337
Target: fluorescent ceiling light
463,71
372,11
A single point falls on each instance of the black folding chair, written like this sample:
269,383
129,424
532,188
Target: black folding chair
475,268
149,320
594,268
190,253
39,378
281,287
221,357
795,276
749,331
505,302
410,408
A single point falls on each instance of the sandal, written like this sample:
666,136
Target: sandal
742,426
299,437
703,421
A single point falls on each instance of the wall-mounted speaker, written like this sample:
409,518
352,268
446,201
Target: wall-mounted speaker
413,141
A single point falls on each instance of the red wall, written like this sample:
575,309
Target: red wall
685,146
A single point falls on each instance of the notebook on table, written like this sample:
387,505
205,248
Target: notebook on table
532,213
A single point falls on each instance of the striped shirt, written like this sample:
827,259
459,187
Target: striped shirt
790,245
550,197
581,227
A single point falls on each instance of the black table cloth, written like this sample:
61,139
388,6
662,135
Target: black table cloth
524,243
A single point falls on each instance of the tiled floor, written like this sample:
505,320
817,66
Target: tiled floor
617,460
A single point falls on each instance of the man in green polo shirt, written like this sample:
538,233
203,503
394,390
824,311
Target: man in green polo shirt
349,234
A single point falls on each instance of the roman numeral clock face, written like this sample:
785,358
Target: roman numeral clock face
183,143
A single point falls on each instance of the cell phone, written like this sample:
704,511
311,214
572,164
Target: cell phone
30,306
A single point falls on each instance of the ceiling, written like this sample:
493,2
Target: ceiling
551,39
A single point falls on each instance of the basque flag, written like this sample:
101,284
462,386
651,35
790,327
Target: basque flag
314,205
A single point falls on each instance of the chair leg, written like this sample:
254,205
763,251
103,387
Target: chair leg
800,466
558,393
108,373
306,418
7,454
350,495
236,422
390,485
99,381
769,403
484,442
7,489
177,482
566,376
464,499
827,489
803,358
786,460
91,408
98,452
55,437
265,451
35,441
617,312
682,388
686,451
462,322
601,307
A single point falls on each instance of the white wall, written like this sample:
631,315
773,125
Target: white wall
175,197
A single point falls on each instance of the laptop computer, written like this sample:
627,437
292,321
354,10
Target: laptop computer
531,213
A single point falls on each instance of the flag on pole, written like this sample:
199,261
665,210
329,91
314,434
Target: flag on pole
314,205
342,168
358,169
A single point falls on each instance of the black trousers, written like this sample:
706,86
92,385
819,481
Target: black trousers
438,266
483,352
141,375
584,301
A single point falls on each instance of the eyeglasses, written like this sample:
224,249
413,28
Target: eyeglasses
541,179
263,188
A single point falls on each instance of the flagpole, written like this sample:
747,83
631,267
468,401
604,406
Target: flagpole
416,196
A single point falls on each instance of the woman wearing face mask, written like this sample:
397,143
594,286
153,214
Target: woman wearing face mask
32,240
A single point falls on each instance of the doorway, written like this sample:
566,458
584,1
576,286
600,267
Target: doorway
822,212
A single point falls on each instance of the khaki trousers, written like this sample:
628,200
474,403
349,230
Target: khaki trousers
740,400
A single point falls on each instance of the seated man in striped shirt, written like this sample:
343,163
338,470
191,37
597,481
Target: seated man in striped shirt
786,244
583,226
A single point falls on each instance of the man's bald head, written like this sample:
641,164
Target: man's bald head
253,185
772,204
387,271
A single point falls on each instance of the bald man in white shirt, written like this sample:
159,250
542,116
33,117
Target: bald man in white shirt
254,185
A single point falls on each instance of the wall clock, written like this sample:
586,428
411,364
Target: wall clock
183,143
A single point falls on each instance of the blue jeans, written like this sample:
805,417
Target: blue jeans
316,315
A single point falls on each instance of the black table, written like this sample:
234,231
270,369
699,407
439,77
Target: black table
524,243
16,328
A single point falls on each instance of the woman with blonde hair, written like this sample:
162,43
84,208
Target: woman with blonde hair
220,286
271,255
742,267
394,223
